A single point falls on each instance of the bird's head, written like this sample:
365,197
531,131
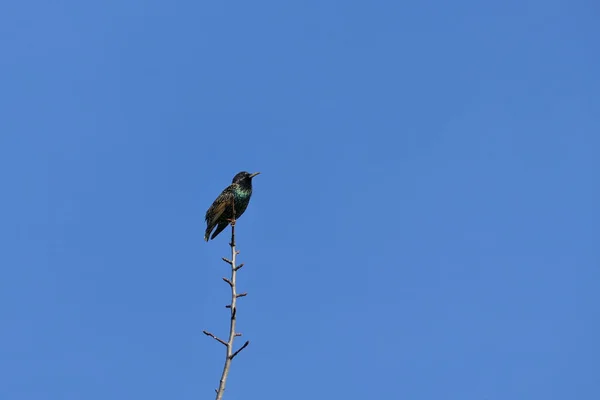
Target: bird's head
244,177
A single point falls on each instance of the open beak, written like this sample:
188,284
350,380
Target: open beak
254,174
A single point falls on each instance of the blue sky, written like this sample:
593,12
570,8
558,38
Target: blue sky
425,225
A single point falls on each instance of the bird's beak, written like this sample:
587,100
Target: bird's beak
254,174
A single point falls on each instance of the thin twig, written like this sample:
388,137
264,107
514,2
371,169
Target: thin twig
228,281
214,337
240,349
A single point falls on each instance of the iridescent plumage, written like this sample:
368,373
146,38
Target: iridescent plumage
235,197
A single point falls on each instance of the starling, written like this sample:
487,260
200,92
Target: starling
238,194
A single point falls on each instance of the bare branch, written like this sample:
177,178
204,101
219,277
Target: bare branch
214,337
240,349
233,312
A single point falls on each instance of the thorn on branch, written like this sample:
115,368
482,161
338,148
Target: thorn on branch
228,281
241,294
228,306
226,260
238,334
239,266
216,338
240,349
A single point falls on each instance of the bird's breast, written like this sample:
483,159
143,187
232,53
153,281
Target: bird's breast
242,194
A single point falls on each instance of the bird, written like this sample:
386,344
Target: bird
220,213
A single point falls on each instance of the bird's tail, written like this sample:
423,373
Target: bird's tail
219,229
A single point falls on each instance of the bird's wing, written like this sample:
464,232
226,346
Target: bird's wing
218,206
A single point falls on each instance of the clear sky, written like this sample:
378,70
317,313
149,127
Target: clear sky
426,224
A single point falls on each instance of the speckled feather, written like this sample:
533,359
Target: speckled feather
221,210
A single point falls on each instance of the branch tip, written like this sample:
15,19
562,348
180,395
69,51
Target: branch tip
240,349
228,281
216,338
